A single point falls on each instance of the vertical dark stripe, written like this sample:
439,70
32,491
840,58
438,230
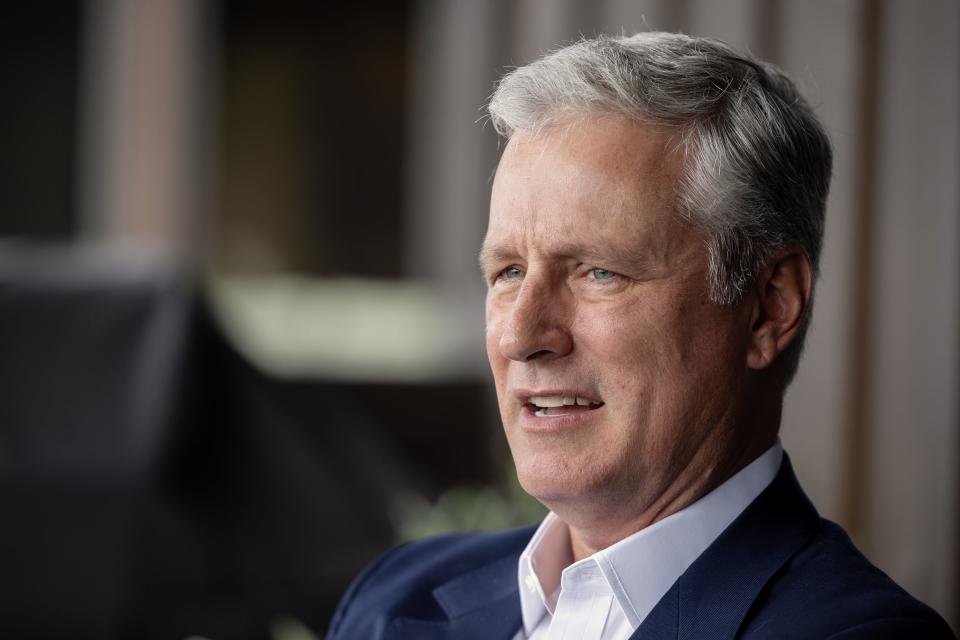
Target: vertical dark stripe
675,16
767,31
865,184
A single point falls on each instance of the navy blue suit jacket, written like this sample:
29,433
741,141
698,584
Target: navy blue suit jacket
778,571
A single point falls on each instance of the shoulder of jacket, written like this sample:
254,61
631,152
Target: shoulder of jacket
407,574
852,597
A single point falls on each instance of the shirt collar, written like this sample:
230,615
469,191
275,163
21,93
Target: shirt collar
547,554
641,568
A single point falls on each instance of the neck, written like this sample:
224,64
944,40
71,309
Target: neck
603,523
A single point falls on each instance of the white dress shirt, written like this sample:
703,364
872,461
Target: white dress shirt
607,595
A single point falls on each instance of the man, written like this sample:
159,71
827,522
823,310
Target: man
655,226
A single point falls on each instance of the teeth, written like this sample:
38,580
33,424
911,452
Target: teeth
560,401
547,401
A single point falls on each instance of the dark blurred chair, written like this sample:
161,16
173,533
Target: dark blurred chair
90,358
155,485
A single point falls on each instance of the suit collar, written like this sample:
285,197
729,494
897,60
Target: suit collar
481,604
712,597
478,589
710,600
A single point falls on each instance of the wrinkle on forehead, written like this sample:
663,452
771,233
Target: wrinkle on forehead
608,179
658,149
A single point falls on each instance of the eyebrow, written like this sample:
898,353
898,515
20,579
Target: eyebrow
631,260
490,254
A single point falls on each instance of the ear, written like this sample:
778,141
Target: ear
783,292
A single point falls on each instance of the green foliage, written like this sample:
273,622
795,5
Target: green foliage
467,508
290,629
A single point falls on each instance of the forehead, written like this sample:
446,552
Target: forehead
604,181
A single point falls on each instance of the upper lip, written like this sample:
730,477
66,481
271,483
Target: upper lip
524,395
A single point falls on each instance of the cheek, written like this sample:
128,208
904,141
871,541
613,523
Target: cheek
494,331
492,338
490,320
655,342
709,358
619,337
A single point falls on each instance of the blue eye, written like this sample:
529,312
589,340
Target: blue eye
512,273
602,274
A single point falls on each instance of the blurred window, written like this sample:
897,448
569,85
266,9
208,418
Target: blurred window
311,152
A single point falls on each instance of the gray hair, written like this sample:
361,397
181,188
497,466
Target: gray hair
757,163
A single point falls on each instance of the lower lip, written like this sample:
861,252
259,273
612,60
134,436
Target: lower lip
533,423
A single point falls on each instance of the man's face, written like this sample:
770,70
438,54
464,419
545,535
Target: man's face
598,297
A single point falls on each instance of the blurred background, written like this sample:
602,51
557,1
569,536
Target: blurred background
241,322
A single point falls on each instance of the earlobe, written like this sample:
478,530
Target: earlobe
783,291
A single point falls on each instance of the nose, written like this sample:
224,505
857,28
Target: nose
536,328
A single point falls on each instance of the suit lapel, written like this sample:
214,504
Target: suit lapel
710,600
482,604
661,623
712,597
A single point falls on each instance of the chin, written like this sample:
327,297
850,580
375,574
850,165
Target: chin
554,481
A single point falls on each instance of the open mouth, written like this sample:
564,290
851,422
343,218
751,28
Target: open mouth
547,406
